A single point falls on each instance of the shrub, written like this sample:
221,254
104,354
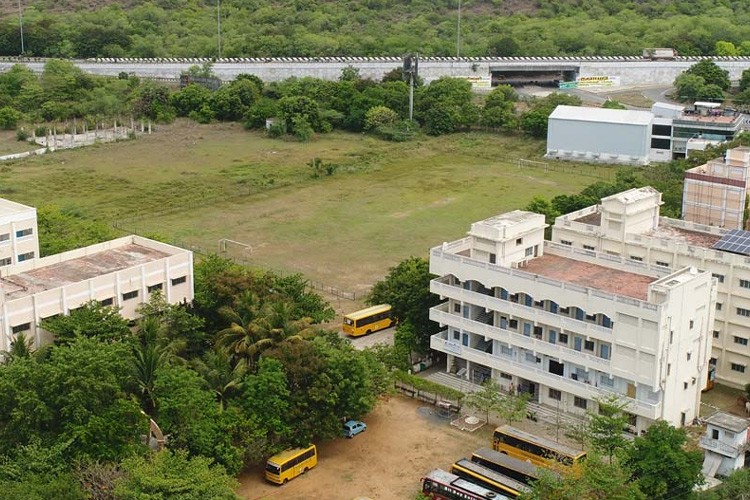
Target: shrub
22,135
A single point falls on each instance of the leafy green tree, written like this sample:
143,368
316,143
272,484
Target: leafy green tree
152,101
21,347
300,113
543,206
220,374
534,121
190,99
745,80
503,46
305,303
711,73
723,48
257,114
661,464
91,320
607,427
596,480
736,486
499,105
512,407
485,400
407,289
9,118
174,475
186,409
446,106
75,398
174,326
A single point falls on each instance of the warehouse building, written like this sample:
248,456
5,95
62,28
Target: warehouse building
570,326
599,135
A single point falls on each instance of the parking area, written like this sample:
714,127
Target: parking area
405,439
380,337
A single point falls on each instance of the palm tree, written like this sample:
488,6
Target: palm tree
216,368
20,347
148,357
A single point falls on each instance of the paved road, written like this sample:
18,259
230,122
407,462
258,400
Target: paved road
381,337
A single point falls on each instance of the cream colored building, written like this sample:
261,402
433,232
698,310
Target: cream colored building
570,326
18,233
715,193
122,273
627,227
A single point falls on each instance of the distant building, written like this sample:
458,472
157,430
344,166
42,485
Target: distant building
570,326
630,137
715,193
121,273
726,444
601,135
18,233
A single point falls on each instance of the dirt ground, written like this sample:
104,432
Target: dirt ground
404,440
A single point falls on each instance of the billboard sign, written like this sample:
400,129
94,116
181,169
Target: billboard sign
598,81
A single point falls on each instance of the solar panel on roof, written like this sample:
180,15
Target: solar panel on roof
735,241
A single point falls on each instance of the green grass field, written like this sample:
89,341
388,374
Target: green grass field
198,184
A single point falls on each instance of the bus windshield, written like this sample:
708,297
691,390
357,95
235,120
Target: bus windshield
273,468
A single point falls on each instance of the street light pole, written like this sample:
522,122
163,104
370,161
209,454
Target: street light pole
458,34
20,23
218,26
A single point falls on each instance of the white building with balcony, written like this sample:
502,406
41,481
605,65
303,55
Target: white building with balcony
18,233
571,326
726,444
627,228
122,273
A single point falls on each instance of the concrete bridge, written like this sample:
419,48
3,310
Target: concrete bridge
631,70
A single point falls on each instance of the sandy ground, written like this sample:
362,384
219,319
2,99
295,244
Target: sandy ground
405,439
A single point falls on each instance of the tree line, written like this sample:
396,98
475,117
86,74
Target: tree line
64,97
167,28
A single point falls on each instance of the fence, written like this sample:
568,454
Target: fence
426,396
589,170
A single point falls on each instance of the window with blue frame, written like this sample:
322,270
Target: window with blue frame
527,329
529,301
504,294
604,351
577,343
553,337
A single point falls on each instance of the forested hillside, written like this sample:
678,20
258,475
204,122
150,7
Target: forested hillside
266,28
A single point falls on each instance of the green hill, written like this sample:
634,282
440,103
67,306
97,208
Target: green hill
268,28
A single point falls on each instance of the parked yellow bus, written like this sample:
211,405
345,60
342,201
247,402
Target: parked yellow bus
368,320
537,450
289,464
520,470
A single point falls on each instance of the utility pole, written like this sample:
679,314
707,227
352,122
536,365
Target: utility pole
218,26
458,32
411,96
20,24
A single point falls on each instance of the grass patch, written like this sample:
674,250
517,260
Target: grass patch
197,184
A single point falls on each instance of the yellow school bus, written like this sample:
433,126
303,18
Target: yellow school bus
368,320
535,449
289,464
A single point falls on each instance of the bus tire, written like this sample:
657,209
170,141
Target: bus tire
286,480
368,332
304,470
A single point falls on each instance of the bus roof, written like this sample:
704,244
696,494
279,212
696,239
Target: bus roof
491,475
285,455
509,462
444,477
368,311
558,448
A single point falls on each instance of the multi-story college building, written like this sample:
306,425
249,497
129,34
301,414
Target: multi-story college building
627,227
122,273
18,238
569,325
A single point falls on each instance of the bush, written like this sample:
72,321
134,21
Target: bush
22,135
9,118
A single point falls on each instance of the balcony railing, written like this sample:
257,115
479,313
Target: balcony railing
440,342
516,339
520,310
721,447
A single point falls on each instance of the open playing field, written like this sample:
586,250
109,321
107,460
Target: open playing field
196,184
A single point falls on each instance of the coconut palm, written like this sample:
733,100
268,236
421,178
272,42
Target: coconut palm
20,347
216,368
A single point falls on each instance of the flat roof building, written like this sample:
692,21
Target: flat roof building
570,326
121,273
626,228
